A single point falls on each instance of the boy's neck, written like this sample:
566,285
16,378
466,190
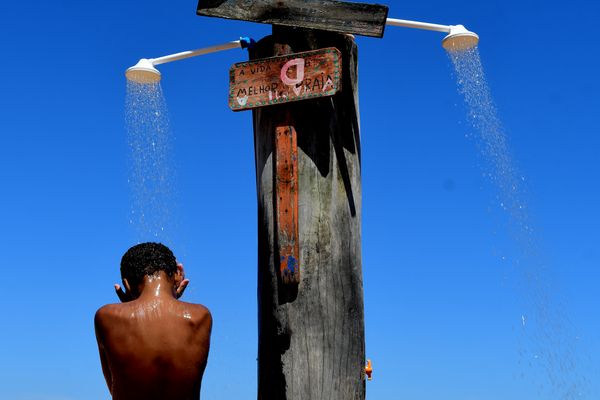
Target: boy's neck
157,286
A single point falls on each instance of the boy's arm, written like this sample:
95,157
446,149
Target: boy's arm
103,360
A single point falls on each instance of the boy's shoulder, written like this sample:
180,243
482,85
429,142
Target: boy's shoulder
198,312
112,308
109,312
196,316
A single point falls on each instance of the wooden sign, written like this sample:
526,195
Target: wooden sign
284,79
328,15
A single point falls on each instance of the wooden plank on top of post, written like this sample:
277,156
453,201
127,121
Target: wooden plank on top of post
328,15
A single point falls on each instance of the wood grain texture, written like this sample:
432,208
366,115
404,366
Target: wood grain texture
311,335
330,15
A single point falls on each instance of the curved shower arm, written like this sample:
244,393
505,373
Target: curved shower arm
242,43
418,25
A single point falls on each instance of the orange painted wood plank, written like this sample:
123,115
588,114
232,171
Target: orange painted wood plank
286,176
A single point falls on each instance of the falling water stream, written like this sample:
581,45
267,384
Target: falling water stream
152,175
549,349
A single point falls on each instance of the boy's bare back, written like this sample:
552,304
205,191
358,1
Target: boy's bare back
154,347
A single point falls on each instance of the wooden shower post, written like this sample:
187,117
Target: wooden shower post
308,179
311,334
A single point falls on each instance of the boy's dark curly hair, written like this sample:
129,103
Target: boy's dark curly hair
146,259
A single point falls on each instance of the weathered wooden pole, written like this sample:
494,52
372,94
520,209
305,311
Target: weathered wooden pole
311,334
310,295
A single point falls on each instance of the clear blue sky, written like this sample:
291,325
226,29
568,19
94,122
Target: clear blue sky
446,286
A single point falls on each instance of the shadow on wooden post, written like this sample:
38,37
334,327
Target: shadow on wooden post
311,335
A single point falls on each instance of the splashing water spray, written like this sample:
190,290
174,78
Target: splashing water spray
552,350
152,176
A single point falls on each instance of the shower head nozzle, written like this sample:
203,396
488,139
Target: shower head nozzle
143,72
460,39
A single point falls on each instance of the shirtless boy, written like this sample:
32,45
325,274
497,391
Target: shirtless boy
153,346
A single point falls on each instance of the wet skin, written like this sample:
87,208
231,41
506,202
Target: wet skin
153,346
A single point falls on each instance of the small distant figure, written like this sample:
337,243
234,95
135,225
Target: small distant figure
153,346
369,370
